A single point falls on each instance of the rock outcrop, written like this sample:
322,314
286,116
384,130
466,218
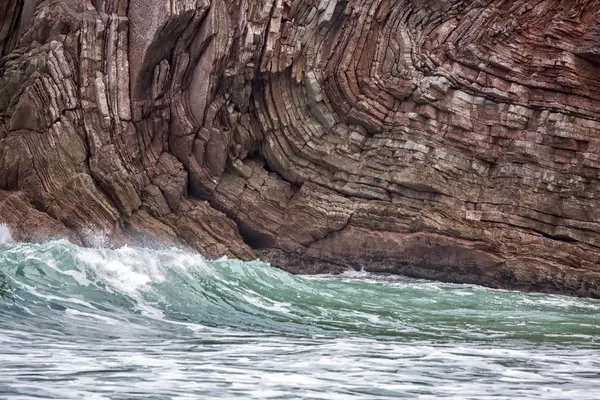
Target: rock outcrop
446,139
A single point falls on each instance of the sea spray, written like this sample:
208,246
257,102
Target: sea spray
5,235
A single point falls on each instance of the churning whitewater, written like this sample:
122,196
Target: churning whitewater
135,323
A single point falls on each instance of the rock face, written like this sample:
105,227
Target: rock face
447,139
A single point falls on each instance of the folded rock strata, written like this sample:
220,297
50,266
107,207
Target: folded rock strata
445,139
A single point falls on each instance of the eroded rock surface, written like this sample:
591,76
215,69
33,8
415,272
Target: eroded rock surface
446,139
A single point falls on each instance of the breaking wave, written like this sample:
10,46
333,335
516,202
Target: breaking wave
68,310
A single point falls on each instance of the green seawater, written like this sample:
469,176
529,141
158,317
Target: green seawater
135,323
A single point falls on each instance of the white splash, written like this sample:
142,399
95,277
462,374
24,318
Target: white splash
5,236
127,270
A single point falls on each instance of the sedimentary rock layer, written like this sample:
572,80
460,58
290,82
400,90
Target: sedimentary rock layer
446,139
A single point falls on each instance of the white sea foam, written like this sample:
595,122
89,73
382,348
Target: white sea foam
330,338
127,270
352,273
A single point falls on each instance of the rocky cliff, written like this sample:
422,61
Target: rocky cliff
447,139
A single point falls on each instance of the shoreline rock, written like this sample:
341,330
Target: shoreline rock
450,140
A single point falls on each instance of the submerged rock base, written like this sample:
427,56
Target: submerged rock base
446,139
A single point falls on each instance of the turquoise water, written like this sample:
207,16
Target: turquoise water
143,324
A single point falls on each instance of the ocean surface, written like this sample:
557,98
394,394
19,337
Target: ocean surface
134,323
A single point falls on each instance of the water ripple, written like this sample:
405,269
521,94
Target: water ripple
140,324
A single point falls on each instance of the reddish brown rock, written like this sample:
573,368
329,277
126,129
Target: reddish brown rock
445,139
